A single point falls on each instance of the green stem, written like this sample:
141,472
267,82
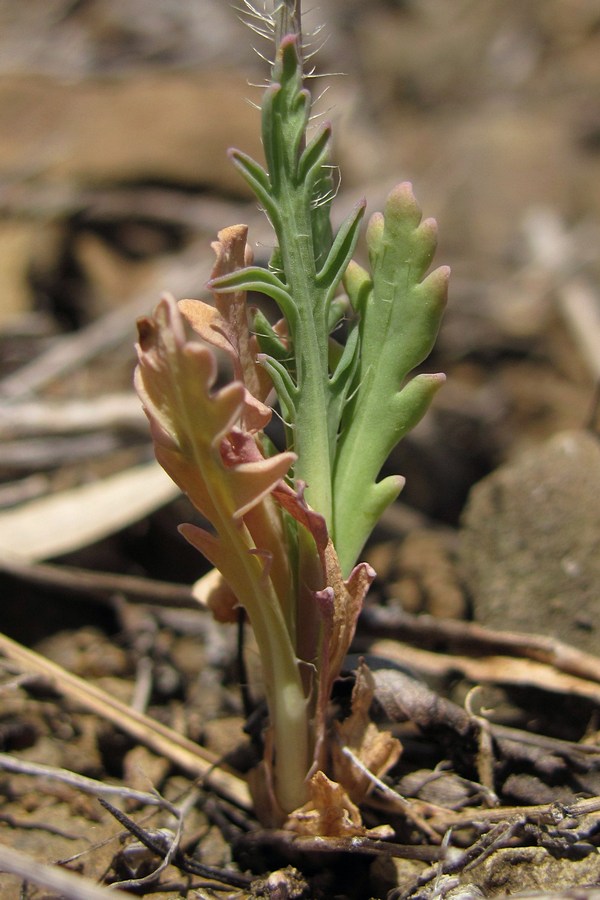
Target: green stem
286,699
310,338
288,706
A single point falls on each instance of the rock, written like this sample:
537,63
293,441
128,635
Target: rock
522,869
530,542
424,561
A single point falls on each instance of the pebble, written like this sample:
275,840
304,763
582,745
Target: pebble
530,542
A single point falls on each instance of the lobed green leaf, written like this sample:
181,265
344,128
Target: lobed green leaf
399,315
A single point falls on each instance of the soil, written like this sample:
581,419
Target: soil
481,627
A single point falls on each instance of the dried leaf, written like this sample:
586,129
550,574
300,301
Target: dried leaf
349,595
60,523
199,443
341,600
293,501
192,424
226,326
213,592
339,605
330,813
376,750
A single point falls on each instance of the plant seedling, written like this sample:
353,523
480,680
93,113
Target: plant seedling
287,526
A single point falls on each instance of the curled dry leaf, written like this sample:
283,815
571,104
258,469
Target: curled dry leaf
197,436
331,813
225,326
213,592
376,750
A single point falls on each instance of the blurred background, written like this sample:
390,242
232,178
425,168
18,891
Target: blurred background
115,118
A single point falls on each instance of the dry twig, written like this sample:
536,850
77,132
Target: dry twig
491,669
464,638
68,885
182,752
101,584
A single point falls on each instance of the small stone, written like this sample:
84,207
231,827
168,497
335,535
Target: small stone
223,736
530,542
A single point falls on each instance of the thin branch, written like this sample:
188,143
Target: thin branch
62,417
468,637
82,783
169,846
71,578
170,850
68,885
489,670
407,807
184,753
72,351
29,454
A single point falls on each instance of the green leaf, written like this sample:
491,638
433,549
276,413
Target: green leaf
315,155
253,278
341,251
339,308
285,113
342,381
268,340
359,285
348,360
399,314
287,391
258,181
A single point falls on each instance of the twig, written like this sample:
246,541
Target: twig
143,684
171,853
54,452
46,827
286,841
82,783
72,351
467,637
167,207
544,813
397,801
403,698
68,885
193,759
491,669
184,274
103,584
13,493
584,892
45,417
544,742
165,854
